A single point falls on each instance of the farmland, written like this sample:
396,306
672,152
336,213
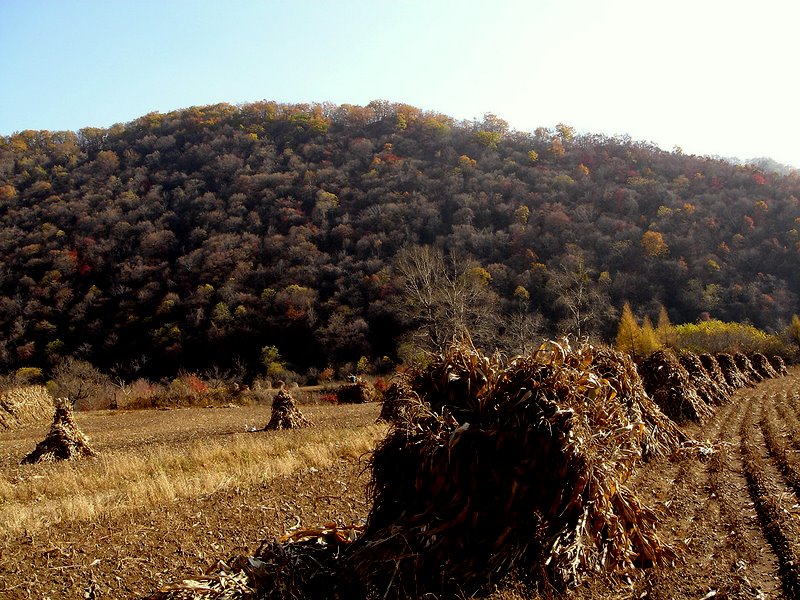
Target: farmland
171,492
174,491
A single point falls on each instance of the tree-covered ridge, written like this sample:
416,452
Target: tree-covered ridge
202,235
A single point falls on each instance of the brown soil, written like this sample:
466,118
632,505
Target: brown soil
733,547
130,555
733,514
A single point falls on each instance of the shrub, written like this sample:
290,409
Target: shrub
312,375
143,394
195,384
380,385
363,366
325,375
83,384
715,336
28,375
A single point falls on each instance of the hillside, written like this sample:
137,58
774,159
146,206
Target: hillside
200,236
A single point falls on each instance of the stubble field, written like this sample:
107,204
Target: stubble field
174,491
171,492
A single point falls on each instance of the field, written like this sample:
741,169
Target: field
174,491
171,492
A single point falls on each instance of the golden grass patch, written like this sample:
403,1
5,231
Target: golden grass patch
44,495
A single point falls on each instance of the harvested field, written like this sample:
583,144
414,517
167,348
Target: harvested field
170,492
733,510
729,504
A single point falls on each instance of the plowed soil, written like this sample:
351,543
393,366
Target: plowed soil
131,554
731,506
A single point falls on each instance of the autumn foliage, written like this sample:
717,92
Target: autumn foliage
200,236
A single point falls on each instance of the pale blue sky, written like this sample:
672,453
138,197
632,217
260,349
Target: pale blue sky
713,76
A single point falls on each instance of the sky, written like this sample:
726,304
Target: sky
712,77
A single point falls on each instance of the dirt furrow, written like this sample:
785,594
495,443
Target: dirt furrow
793,399
771,496
707,516
728,486
781,452
751,570
787,415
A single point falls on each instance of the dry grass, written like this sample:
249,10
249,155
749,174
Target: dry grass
44,495
25,405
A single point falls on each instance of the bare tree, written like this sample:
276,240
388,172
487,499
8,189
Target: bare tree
580,294
446,297
119,382
122,375
523,331
79,381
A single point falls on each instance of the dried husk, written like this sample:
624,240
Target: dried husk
778,364
398,400
505,466
711,365
285,414
746,367
670,387
735,378
299,565
25,405
64,441
762,366
358,392
707,388
661,436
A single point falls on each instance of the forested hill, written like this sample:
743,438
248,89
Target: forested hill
205,234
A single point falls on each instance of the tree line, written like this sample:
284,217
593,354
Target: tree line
199,237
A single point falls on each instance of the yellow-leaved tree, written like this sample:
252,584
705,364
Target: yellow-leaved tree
793,331
665,332
648,342
627,331
638,341
654,244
